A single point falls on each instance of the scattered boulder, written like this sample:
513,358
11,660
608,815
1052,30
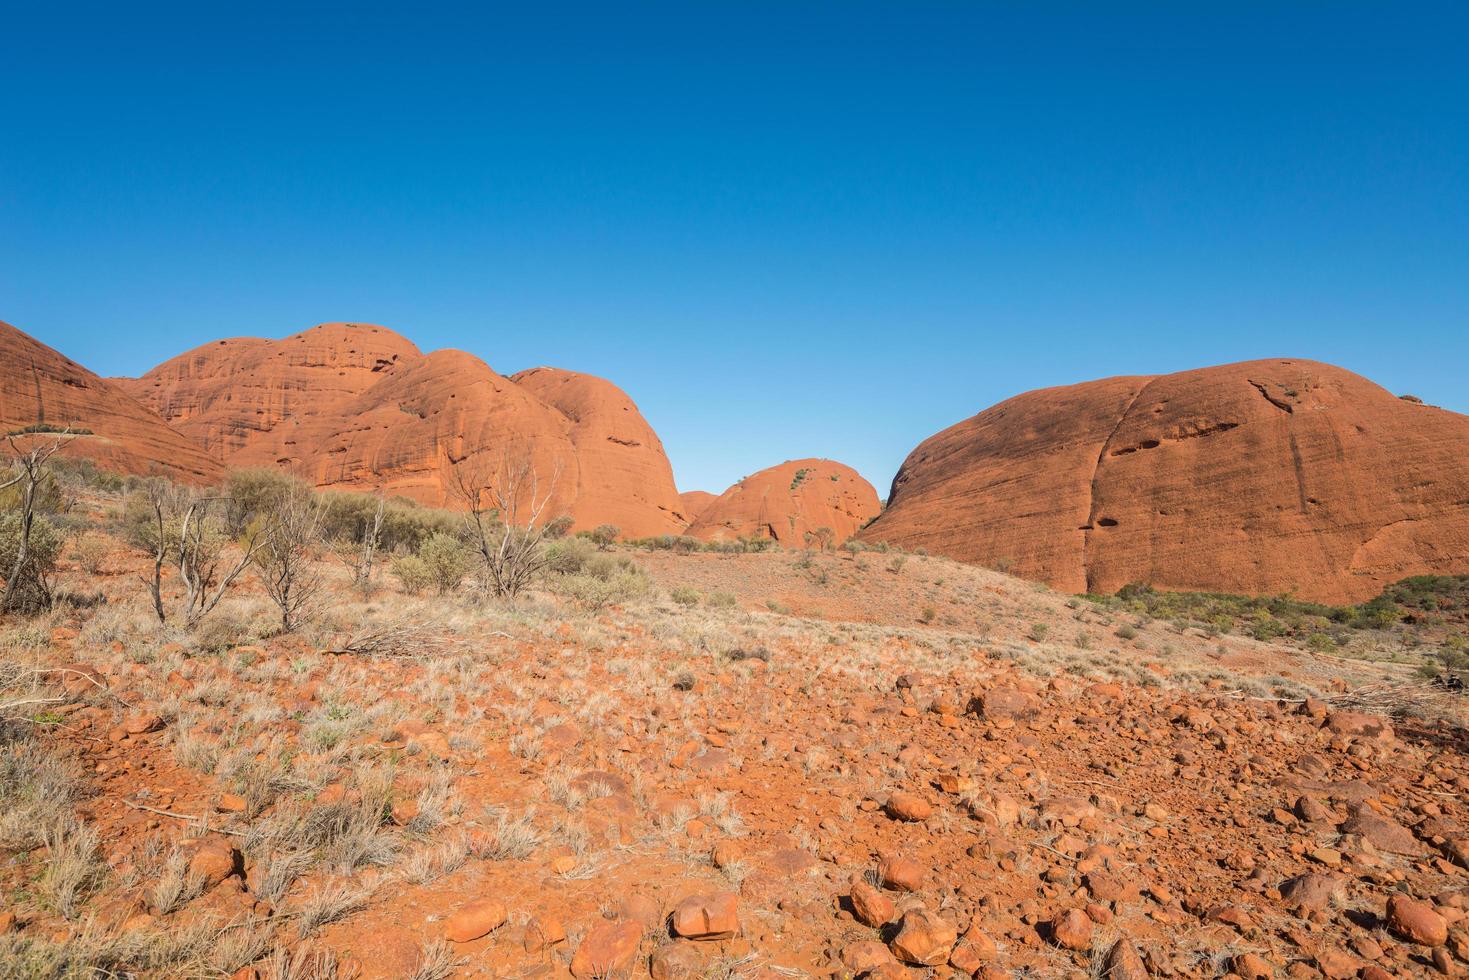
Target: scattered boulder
1416,921
924,939
707,916
474,919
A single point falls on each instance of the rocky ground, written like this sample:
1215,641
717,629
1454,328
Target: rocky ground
772,766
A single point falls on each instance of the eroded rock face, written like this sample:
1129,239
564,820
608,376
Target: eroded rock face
694,502
622,476
1258,477
788,501
38,386
358,407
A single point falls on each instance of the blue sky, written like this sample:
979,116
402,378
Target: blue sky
786,229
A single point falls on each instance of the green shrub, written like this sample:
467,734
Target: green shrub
33,584
412,574
685,596
721,600
447,560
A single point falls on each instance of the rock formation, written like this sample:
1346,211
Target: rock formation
788,501
622,475
40,388
1259,477
358,407
693,503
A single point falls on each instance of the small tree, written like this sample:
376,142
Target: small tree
359,553
181,527
446,562
505,509
559,527
26,585
286,563
821,537
603,535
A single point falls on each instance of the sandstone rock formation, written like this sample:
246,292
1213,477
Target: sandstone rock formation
788,501
693,503
1259,477
622,475
358,407
228,394
39,387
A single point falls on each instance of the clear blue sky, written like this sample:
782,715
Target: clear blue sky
786,229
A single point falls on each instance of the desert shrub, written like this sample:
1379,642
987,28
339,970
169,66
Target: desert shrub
567,556
896,564
928,615
33,580
685,596
559,527
604,534
602,580
89,551
49,498
223,631
257,492
721,600
406,525
412,573
1038,631
447,561
1127,632
593,592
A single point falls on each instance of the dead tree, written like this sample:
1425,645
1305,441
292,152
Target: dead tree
286,563
182,528
33,465
506,507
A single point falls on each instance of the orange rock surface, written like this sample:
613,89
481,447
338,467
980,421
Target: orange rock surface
694,502
229,394
358,407
786,502
622,474
40,386
1259,477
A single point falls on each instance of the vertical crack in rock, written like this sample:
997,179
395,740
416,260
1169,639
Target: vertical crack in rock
1091,506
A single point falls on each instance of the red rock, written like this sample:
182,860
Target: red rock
1123,962
692,503
1384,833
1344,488
623,475
713,916
870,905
901,873
676,961
864,955
1416,921
610,947
142,724
40,386
356,406
924,939
474,919
1072,929
786,502
1003,703
907,806
1358,723
230,803
1253,966
1312,892
212,859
